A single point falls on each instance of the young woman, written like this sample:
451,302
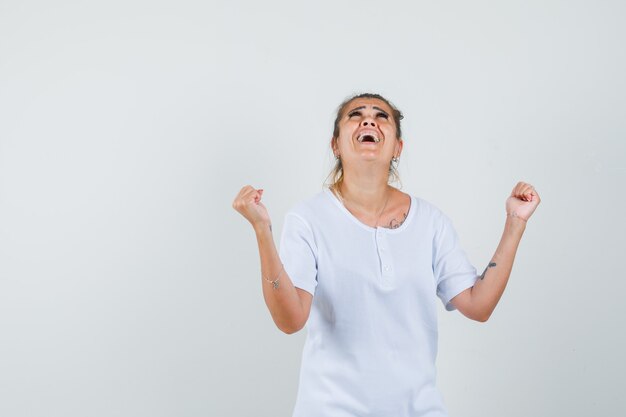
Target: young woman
362,263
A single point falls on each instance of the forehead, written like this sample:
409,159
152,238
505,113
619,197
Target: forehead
368,103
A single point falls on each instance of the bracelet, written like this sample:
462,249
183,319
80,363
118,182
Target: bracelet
514,214
275,282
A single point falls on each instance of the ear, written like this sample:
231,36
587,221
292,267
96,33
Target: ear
333,145
399,145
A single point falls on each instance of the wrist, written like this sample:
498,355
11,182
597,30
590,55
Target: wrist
513,221
262,227
513,215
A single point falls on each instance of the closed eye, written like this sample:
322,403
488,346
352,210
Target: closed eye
383,115
354,113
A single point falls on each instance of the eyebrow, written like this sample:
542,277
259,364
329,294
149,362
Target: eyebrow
362,107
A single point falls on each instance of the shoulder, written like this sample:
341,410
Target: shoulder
310,210
425,209
305,208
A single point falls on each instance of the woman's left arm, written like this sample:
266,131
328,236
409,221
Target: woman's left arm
479,301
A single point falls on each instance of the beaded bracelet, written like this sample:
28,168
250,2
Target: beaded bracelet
275,282
514,214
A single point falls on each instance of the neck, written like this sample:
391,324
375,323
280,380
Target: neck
365,191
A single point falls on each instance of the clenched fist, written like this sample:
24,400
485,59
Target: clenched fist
248,203
523,201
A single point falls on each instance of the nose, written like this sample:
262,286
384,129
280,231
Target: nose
368,122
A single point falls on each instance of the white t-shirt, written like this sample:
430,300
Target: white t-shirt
372,332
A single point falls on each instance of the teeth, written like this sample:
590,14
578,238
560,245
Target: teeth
363,136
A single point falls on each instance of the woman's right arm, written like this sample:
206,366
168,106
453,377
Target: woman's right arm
288,305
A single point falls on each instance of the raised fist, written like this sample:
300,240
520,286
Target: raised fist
248,203
523,201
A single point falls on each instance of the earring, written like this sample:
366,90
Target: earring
337,157
395,159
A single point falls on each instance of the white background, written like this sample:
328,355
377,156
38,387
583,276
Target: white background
129,286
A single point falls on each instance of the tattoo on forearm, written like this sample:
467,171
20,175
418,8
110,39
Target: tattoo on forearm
491,265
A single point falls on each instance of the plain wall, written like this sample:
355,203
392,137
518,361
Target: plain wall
130,287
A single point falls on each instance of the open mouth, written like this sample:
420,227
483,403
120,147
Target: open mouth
368,137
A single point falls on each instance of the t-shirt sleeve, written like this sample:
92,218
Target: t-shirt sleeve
298,253
452,269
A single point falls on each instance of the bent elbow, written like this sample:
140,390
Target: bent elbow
483,317
290,328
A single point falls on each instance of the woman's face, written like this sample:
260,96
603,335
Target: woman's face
367,132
